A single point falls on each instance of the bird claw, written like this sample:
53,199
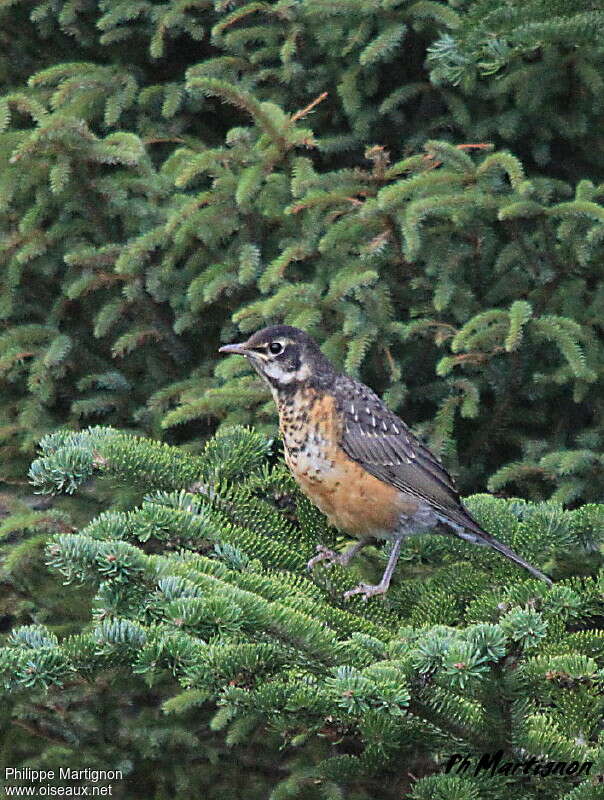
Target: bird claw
367,590
324,554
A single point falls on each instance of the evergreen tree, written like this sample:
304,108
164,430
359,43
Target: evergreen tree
205,581
419,185
416,183
112,719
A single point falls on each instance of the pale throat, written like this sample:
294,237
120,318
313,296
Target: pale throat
279,376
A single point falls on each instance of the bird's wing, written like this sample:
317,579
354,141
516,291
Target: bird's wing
381,442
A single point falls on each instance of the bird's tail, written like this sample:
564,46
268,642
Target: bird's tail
474,533
506,551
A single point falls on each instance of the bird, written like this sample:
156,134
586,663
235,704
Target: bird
356,460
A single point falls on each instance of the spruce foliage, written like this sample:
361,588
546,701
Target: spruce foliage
98,720
418,184
201,591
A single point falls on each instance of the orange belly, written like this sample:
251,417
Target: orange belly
352,499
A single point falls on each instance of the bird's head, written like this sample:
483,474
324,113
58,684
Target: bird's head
284,356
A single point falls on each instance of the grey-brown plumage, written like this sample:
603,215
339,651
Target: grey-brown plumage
354,458
379,440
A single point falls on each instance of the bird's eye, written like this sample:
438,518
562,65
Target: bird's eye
275,348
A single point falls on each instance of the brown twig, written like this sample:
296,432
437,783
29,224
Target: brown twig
475,146
304,111
390,360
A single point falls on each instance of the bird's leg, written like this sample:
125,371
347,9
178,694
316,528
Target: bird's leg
331,557
369,590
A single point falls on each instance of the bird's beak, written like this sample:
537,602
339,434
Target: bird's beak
237,349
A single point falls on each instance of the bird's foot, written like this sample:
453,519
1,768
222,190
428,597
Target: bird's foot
367,590
327,555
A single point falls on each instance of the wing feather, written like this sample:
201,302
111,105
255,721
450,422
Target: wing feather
375,437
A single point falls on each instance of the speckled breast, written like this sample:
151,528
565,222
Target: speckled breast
310,434
352,499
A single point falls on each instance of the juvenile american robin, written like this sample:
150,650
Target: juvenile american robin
354,458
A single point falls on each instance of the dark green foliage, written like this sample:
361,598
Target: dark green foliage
202,592
107,719
546,57
418,184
